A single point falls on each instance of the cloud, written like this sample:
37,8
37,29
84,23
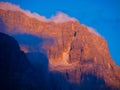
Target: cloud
92,30
9,6
25,37
12,7
60,17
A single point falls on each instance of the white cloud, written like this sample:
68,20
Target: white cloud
60,17
9,6
12,7
92,30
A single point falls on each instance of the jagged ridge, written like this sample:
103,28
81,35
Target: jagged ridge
75,50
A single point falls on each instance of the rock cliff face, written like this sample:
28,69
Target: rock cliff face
19,73
80,55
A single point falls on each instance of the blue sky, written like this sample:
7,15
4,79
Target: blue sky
103,15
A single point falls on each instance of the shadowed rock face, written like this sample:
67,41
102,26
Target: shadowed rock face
19,73
16,71
13,62
74,52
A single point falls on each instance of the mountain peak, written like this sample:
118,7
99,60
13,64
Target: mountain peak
60,17
73,49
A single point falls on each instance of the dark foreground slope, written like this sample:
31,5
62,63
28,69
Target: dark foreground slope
15,70
18,73
73,50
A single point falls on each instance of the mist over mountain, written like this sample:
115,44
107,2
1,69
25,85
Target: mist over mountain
19,73
59,52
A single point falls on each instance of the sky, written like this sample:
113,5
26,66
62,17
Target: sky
102,15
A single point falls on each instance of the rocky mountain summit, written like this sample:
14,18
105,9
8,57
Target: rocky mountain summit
79,54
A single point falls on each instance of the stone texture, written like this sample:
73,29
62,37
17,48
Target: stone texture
75,52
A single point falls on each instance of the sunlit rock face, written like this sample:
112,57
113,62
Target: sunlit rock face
72,48
27,72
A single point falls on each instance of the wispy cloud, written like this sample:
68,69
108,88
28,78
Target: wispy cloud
12,7
60,17
24,39
92,30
